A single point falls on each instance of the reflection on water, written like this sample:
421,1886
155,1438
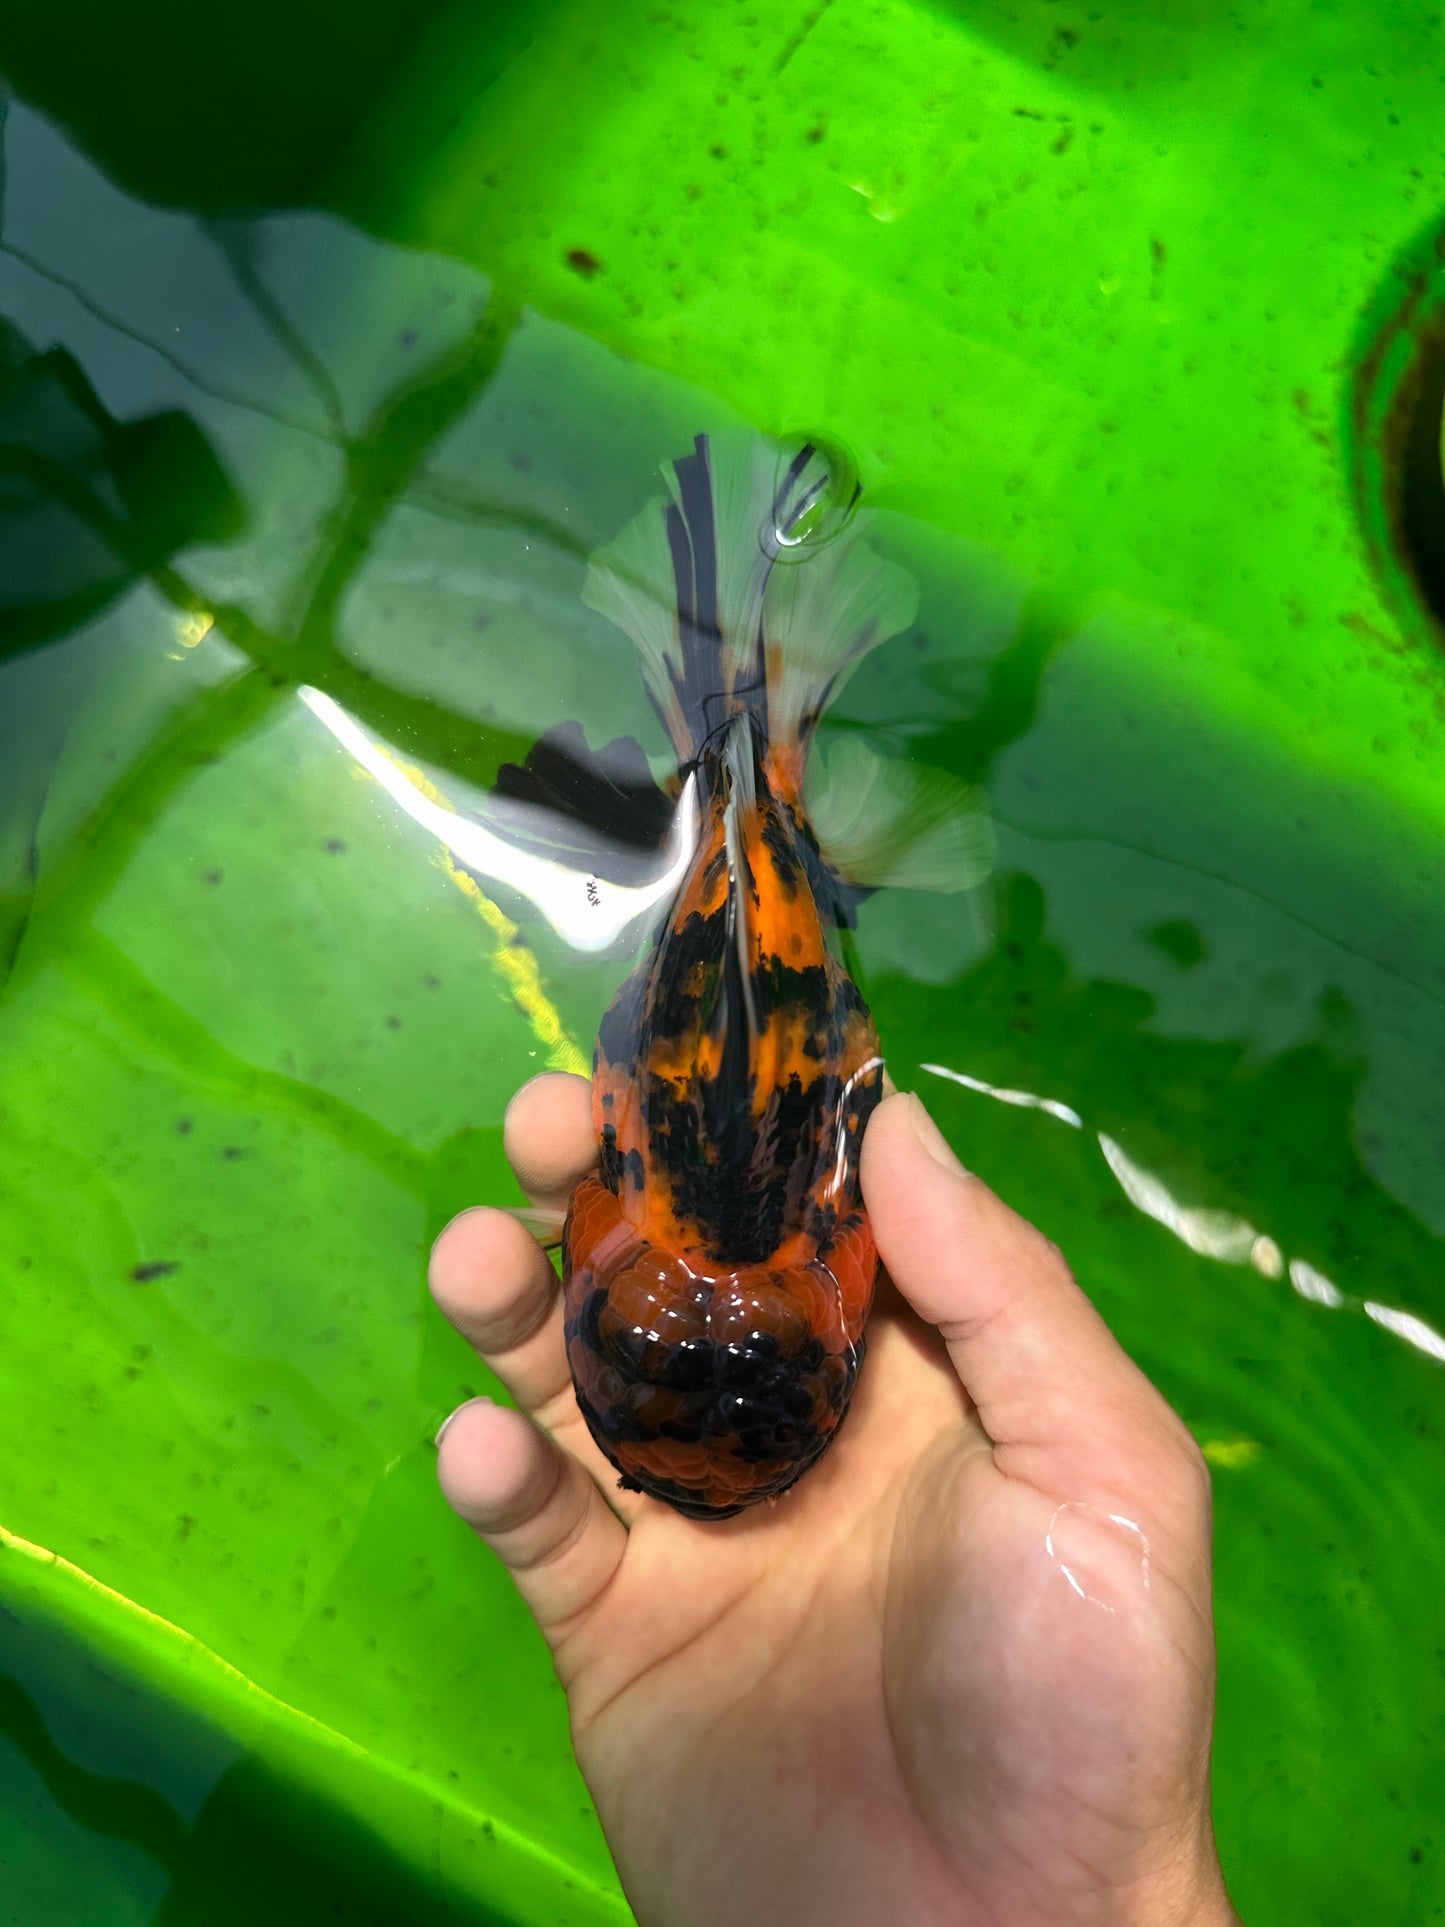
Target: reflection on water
589,912
1064,1112
271,486
1313,1284
1406,1325
1211,1232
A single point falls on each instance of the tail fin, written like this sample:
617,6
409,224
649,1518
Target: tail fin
740,597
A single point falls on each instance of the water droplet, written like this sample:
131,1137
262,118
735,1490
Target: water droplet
817,492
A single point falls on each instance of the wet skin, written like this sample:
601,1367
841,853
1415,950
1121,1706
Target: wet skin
962,1673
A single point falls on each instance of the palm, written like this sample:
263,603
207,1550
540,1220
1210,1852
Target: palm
737,1666
930,1683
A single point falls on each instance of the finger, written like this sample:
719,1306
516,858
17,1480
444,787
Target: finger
1039,1362
536,1508
548,1136
493,1282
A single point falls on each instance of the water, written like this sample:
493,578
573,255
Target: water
346,405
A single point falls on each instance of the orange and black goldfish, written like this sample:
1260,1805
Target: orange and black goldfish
719,1268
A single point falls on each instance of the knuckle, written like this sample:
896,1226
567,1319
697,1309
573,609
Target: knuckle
1052,1260
557,1531
501,1328
1054,1252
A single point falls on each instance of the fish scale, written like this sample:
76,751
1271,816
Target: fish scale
719,1270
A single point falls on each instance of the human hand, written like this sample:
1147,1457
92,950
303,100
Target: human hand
962,1673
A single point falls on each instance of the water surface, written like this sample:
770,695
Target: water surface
348,408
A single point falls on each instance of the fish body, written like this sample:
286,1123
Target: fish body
719,1268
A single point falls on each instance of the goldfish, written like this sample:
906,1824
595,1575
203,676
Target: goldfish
719,1266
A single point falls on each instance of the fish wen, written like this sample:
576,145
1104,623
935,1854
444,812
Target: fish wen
719,1266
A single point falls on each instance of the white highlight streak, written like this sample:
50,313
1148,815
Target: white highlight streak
1214,1234
1404,1324
1024,1098
1314,1285
841,1160
588,912
1118,1519
1072,1505
1266,1257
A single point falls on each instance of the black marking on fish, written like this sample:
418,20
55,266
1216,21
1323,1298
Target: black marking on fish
748,1394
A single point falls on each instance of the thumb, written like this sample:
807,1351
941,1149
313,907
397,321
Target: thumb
1038,1361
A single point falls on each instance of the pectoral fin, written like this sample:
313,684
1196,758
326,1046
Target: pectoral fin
884,820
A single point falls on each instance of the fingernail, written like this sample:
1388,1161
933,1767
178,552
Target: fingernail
467,1211
931,1138
542,1077
516,1098
451,1418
